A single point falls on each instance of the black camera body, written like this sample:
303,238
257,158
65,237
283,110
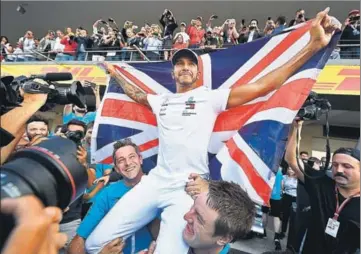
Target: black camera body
50,171
10,90
313,108
75,136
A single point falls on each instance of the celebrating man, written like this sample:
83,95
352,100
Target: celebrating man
185,123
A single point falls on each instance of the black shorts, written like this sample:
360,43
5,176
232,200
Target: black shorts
276,208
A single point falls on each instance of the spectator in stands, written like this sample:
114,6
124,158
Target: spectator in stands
84,42
351,35
28,46
289,186
37,126
47,44
18,53
153,44
253,32
169,23
126,155
179,43
269,27
58,47
230,34
210,42
335,203
280,24
182,32
112,44
6,50
299,18
69,31
69,51
196,32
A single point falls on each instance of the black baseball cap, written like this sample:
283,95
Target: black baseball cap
185,53
353,152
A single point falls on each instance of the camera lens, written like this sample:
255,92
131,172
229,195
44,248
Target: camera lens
50,171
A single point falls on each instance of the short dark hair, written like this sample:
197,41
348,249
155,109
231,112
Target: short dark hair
254,20
36,118
76,122
303,152
122,143
281,20
236,211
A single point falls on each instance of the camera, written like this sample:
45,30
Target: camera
75,136
313,108
10,90
50,171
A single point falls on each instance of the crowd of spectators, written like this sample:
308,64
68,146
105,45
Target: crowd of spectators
157,41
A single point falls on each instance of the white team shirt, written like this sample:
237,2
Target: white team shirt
185,125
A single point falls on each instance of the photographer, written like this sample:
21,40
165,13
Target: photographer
169,23
351,35
72,216
334,226
14,121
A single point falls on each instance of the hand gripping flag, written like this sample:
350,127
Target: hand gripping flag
248,142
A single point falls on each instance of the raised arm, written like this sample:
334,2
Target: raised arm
132,91
321,33
290,156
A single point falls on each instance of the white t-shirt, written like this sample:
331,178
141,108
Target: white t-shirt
290,185
185,125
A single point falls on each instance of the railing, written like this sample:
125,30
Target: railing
343,51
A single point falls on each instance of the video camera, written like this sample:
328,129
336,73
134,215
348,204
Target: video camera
313,108
41,84
50,171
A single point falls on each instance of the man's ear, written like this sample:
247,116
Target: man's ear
222,241
140,159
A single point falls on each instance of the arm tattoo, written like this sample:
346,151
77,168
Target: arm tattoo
132,91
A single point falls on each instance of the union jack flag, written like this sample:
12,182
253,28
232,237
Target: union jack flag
248,142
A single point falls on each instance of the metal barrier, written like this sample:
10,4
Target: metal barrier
343,51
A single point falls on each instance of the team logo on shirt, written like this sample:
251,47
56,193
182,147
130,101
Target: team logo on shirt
163,107
190,107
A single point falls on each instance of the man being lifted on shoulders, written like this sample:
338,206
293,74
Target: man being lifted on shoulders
185,124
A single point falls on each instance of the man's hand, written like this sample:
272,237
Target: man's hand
109,68
81,155
105,179
37,228
196,185
114,247
150,250
38,99
323,27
